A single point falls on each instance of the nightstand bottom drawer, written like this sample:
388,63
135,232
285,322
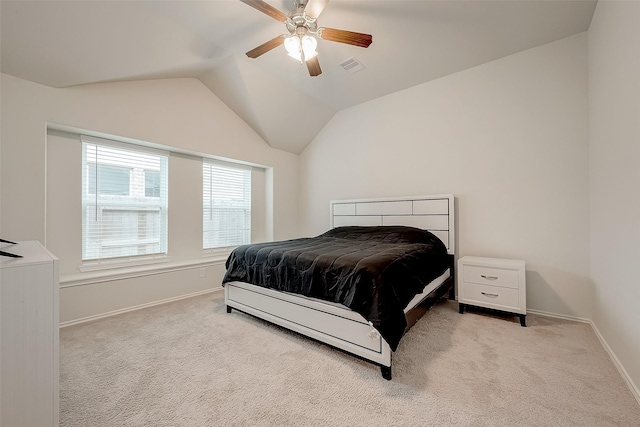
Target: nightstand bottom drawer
490,296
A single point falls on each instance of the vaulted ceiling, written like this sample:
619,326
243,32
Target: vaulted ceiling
68,43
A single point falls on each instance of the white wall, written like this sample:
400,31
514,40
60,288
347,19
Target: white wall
180,113
508,138
614,149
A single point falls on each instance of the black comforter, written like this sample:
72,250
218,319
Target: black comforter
375,271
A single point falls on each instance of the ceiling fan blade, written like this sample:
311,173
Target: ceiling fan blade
314,67
267,9
315,7
266,47
343,36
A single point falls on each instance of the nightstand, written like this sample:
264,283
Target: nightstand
494,283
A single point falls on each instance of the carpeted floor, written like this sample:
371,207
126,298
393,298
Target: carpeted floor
189,363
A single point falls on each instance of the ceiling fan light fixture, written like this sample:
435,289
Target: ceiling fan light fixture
296,45
301,42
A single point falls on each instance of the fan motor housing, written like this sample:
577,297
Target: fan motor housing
297,18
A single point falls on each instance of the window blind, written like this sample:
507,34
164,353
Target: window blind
124,200
226,204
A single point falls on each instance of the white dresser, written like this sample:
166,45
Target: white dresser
29,356
494,283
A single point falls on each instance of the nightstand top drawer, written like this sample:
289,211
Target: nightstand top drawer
492,276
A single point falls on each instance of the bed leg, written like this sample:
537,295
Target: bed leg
386,372
452,293
228,309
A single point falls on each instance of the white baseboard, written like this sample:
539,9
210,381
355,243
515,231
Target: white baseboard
634,388
623,372
137,307
559,316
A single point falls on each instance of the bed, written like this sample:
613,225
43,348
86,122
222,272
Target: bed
360,286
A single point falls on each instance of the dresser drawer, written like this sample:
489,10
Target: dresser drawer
490,296
492,276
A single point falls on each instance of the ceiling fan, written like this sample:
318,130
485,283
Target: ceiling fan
302,26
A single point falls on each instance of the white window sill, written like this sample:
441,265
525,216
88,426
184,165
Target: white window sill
131,271
110,264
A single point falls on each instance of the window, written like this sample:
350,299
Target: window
227,205
124,200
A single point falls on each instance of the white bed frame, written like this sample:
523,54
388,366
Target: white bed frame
335,324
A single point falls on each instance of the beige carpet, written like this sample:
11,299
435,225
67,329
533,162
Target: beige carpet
189,363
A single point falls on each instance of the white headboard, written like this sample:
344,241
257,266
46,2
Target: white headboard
433,213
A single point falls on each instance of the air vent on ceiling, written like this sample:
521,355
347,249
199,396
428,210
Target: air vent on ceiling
352,65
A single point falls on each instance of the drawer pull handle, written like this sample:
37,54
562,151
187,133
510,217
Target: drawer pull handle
490,295
484,276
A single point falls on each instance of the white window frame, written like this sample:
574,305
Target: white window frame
223,249
139,204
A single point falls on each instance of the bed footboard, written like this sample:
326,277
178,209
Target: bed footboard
335,326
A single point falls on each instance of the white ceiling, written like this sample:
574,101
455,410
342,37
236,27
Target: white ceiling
67,43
